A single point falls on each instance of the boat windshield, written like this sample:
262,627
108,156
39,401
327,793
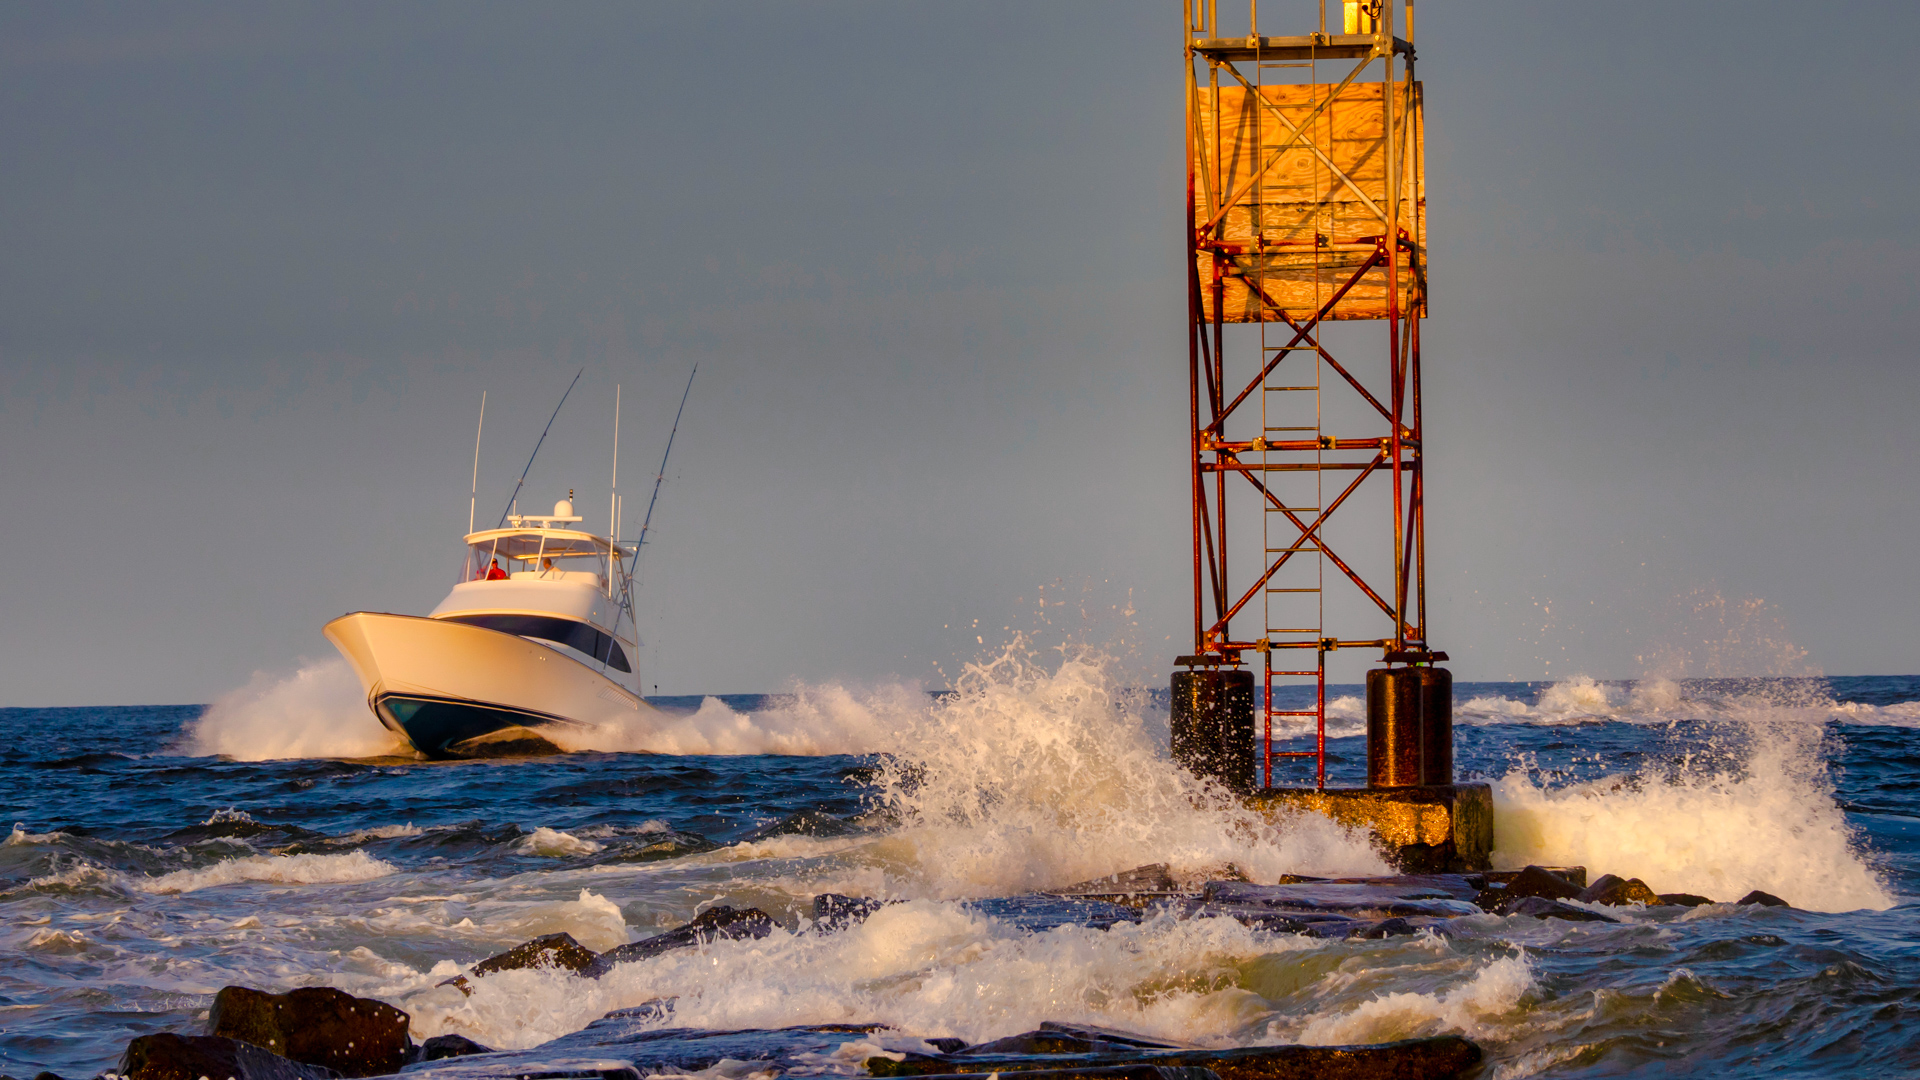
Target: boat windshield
555,554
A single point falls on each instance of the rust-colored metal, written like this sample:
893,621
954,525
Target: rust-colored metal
1305,207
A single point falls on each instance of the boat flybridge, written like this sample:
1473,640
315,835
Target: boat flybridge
537,637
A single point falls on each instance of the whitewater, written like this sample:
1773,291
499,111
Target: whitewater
279,838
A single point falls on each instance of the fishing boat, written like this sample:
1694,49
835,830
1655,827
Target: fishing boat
536,638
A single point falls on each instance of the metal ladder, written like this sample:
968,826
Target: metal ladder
1293,610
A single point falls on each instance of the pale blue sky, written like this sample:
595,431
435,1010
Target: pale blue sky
258,262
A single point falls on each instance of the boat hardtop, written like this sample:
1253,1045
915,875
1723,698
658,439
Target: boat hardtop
563,575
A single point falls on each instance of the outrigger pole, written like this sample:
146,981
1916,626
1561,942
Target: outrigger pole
536,450
626,600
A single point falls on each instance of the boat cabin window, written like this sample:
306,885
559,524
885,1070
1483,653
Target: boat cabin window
575,635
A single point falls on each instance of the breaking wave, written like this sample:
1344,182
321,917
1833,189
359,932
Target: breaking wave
1766,820
283,869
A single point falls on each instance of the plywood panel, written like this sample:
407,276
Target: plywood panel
1306,222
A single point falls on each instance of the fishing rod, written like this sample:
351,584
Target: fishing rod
662,476
536,449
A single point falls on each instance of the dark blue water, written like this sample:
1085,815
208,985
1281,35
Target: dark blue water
140,880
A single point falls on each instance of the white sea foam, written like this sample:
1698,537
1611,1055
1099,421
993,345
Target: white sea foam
592,919
318,711
380,832
20,836
1578,696
1473,1007
926,967
283,869
1904,714
556,844
1769,823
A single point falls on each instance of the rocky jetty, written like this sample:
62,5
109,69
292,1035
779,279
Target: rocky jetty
320,1033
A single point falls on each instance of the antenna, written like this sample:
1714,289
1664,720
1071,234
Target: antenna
514,498
613,490
647,522
474,496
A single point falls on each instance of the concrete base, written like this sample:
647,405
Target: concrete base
1437,829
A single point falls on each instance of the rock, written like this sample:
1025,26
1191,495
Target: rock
1410,1059
1614,891
167,1056
716,923
1765,899
947,1045
1540,907
1683,899
448,1046
1153,877
1533,881
1575,874
317,1025
548,951
1385,928
833,913
652,1009
1348,897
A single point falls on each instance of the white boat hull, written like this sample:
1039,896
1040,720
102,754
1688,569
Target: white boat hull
440,683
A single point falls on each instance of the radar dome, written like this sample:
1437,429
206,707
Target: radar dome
563,508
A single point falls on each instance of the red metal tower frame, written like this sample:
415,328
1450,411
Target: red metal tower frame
1305,206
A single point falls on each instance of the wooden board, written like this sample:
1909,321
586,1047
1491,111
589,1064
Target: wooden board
1307,221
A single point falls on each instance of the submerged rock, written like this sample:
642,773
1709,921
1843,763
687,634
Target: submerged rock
317,1025
1615,891
833,912
1765,899
1055,1038
167,1056
652,1009
1411,1059
1385,928
716,923
1539,907
448,1046
1387,896
1683,899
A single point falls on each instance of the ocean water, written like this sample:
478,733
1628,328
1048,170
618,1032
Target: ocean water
278,839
